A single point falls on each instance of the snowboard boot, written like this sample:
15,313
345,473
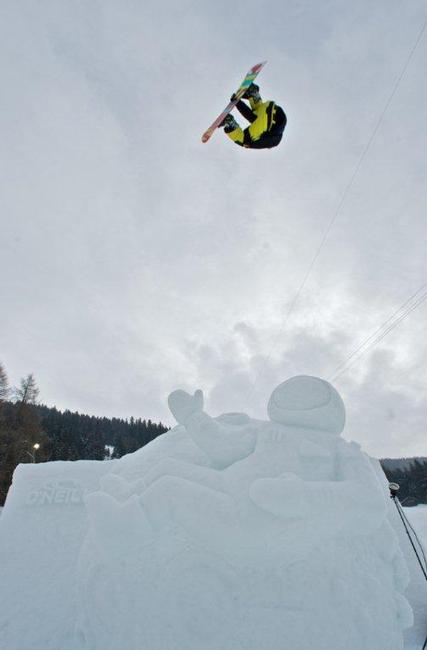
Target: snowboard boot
253,93
229,123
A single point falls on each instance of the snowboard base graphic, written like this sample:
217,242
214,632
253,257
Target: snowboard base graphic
249,78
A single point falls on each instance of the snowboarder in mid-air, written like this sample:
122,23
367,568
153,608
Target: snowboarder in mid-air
268,121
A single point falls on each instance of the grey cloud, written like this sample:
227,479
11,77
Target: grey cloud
139,260
384,413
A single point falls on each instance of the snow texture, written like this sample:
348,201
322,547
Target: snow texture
226,532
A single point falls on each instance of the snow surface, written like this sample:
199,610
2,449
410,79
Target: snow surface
225,532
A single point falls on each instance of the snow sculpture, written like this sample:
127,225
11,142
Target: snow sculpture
237,533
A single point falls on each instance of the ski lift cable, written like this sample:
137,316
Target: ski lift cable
390,320
353,177
383,334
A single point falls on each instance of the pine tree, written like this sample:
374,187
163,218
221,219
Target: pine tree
24,440
5,438
412,479
28,392
4,385
119,449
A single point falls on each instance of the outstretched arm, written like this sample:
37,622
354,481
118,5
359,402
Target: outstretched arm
246,111
221,446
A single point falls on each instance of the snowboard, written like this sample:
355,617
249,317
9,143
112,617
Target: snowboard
250,76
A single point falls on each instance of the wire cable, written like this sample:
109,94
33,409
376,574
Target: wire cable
396,501
406,523
380,333
356,170
349,185
378,330
399,505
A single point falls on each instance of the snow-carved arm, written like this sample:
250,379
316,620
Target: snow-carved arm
222,446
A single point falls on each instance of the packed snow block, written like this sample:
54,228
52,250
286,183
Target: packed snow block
42,528
241,534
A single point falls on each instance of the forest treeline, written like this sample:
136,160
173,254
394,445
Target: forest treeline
30,432
411,475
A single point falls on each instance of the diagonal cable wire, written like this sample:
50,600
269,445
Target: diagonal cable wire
390,319
351,182
383,334
346,191
415,535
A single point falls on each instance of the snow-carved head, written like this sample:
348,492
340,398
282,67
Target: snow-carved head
307,402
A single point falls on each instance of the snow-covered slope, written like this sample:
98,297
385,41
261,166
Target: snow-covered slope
225,532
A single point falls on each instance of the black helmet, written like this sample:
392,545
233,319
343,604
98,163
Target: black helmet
252,91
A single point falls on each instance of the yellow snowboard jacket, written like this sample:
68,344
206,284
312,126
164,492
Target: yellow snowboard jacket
268,121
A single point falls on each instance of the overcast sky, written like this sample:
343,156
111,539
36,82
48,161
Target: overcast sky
136,260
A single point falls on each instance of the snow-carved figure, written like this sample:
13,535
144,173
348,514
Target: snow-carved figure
237,533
